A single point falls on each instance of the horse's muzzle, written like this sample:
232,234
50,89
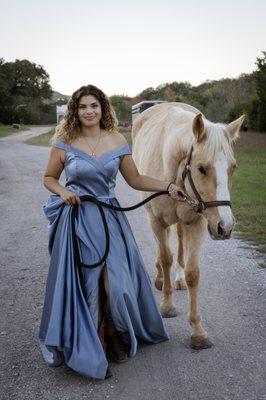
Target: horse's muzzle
221,233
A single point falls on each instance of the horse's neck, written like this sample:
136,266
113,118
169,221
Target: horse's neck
179,172
180,147
175,168
181,141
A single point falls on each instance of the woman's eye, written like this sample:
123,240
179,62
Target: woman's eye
202,170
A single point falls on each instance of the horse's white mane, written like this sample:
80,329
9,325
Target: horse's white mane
217,141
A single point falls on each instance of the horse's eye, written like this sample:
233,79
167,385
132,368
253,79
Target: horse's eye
202,170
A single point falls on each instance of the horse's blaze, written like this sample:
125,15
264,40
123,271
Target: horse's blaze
222,192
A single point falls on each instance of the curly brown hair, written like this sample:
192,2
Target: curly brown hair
69,127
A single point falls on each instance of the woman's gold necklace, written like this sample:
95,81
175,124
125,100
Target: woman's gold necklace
86,140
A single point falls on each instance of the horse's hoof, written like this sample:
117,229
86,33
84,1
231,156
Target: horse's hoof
200,342
168,311
180,285
158,284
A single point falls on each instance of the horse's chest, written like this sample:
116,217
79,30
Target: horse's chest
181,213
166,214
185,214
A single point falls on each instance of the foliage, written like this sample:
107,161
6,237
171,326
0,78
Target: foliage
122,106
216,99
23,88
260,103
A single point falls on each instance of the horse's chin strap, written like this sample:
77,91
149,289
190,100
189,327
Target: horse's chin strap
198,205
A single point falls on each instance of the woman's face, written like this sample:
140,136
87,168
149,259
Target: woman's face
89,111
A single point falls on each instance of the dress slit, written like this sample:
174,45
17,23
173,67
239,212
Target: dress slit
102,298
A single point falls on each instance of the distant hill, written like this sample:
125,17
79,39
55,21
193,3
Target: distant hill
59,97
220,100
216,99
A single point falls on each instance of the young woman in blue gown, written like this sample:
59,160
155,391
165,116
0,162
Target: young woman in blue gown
83,329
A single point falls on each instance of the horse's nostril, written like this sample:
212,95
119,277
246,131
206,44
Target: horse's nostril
223,232
220,229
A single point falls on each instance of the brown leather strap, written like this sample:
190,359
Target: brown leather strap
202,205
217,203
193,187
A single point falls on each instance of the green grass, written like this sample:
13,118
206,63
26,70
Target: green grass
41,140
6,130
248,195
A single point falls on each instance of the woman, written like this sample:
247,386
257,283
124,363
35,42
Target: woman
83,324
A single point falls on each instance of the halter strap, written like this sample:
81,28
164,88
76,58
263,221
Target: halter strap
202,205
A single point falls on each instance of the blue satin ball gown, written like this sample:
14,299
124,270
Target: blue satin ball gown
68,329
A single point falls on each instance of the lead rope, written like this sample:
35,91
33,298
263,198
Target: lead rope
100,204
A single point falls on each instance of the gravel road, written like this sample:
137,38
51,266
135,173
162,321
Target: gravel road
231,297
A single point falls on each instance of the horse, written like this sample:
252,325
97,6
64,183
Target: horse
175,142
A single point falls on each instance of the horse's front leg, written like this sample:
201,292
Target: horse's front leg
194,234
163,263
180,280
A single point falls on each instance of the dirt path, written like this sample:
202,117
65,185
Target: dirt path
231,297
25,135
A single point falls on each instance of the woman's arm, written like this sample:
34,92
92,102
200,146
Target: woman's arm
52,174
143,182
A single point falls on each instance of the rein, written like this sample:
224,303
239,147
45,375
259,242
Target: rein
200,205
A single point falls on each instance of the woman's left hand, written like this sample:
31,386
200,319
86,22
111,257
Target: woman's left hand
176,192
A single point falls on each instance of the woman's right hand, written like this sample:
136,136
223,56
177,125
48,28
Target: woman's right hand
69,197
176,192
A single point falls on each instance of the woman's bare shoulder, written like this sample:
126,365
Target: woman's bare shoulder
58,149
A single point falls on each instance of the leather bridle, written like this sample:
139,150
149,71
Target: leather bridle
199,205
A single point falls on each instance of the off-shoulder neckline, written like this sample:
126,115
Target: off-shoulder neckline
89,155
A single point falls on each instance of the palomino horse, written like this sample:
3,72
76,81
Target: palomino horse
163,137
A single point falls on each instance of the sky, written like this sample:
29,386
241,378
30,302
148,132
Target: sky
124,48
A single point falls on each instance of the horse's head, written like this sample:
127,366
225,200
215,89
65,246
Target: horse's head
211,169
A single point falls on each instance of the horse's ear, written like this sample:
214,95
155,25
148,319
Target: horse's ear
234,127
198,128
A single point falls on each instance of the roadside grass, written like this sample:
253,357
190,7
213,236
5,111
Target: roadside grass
6,130
41,140
249,194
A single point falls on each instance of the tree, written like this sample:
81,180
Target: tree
6,99
260,78
23,86
122,106
169,94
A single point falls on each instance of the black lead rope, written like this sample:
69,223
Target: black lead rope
100,204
